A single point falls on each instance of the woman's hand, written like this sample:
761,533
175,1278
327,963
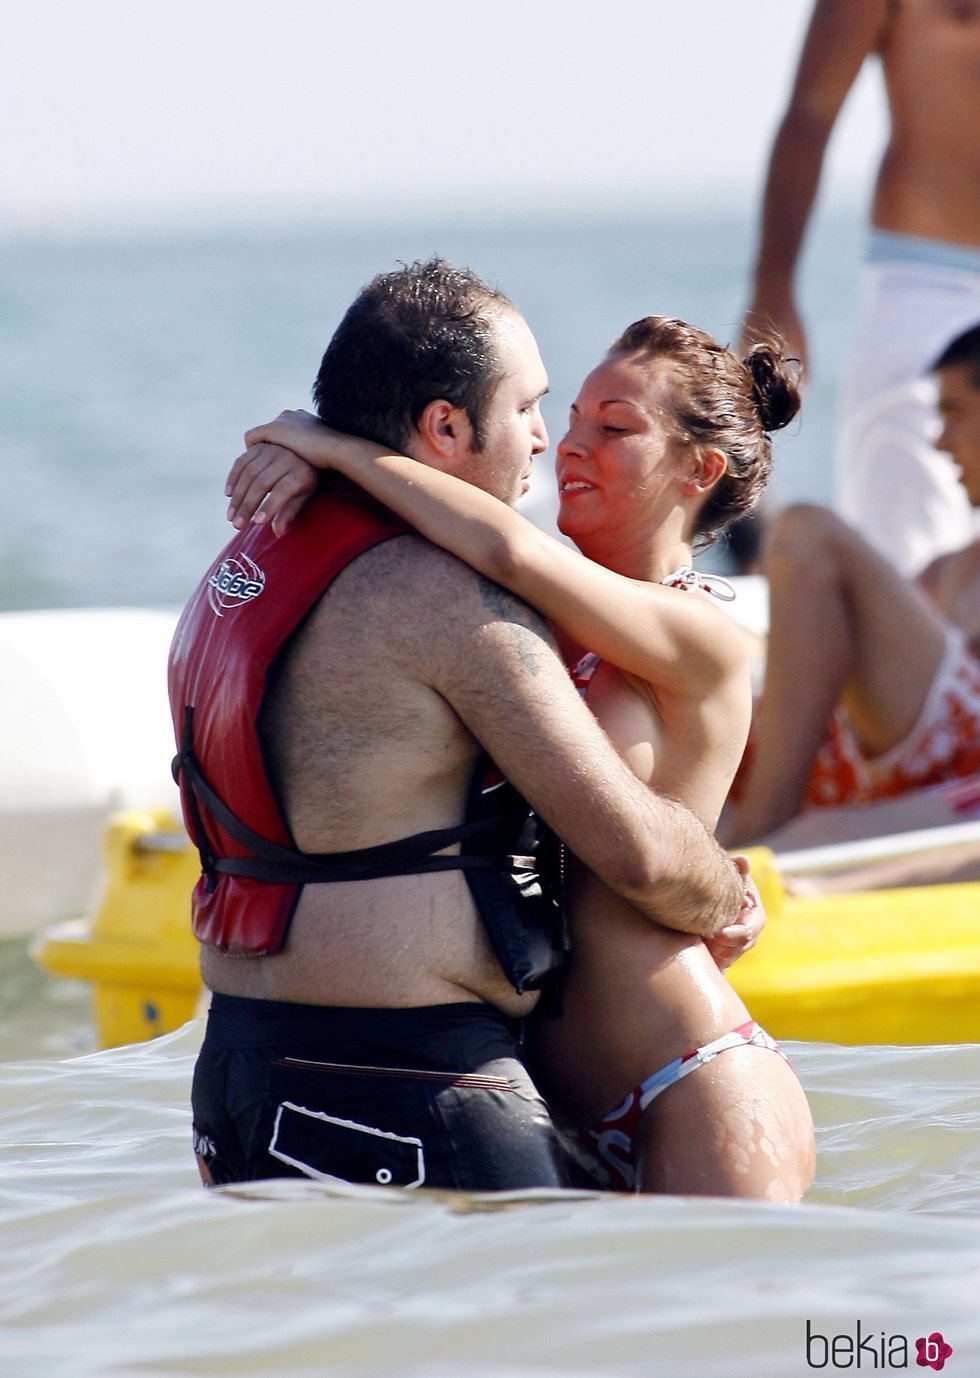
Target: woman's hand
735,940
270,482
299,431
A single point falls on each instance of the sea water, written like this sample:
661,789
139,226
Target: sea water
114,1261
128,369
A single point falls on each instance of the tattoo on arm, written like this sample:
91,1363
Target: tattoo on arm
529,629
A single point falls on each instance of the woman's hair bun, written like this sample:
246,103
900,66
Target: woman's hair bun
775,385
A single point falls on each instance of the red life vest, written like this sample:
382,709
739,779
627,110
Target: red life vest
233,628
229,637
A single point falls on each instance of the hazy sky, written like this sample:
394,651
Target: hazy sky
134,110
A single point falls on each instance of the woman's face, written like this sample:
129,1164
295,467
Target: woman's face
620,464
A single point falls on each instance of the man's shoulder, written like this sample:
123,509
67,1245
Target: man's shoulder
423,614
414,596
405,567
413,570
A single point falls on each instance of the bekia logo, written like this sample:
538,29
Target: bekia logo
933,1351
236,580
871,1349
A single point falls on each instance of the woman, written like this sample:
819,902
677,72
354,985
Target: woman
667,443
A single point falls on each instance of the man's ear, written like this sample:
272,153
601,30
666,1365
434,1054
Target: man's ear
445,430
710,466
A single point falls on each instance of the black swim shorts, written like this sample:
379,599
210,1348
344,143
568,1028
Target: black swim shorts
429,1097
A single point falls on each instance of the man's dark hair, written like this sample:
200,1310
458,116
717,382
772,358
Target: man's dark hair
965,349
420,333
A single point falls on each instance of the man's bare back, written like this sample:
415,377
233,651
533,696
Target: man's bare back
363,748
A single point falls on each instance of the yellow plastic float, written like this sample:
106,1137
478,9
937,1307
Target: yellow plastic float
880,966
137,950
887,966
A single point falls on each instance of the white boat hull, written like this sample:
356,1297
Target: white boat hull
85,732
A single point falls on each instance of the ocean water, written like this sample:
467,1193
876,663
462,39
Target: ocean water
116,1262
129,368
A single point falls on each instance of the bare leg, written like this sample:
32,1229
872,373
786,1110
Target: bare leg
845,627
739,1126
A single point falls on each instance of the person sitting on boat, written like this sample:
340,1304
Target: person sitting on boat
655,1065
892,665
372,922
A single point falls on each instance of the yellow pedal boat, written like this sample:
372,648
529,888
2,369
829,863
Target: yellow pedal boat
887,966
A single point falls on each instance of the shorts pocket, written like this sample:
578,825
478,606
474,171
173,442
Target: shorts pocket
332,1149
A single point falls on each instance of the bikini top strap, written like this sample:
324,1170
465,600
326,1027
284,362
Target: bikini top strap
688,578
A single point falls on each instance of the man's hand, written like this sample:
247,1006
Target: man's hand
735,940
269,482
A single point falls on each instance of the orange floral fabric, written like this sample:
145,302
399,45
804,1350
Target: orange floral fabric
943,745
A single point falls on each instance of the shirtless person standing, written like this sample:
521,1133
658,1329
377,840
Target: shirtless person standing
921,277
372,927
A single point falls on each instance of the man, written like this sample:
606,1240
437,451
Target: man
890,664
371,927
921,279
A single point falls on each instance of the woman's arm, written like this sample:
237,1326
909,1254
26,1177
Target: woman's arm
662,635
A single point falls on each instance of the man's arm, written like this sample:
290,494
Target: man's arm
841,34
492,658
